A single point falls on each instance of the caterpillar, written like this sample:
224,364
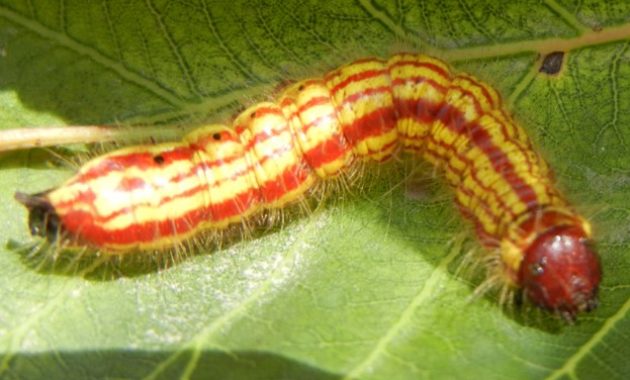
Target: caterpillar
156,196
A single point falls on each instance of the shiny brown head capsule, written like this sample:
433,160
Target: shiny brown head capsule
561,271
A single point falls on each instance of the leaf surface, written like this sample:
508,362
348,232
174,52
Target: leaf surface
366,287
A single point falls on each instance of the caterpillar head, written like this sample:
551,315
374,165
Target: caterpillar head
561,271
42,218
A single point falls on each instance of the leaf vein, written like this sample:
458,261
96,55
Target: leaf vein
371,9
231,55
201,339
566,16
181,62
571,363
71,44
433,283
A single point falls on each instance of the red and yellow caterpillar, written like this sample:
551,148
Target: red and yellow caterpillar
154,197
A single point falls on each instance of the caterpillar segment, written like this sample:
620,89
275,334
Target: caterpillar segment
153,197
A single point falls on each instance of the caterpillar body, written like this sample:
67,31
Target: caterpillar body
154,197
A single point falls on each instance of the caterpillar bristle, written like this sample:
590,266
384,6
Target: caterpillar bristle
283,157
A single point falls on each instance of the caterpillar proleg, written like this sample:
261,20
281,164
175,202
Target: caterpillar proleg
153,197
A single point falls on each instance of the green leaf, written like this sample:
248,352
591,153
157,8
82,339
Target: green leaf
366,287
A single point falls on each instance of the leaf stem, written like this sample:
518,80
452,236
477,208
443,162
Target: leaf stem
26,138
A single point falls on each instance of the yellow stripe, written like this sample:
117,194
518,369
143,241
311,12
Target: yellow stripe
272,169
321,120
176,208
162,242
337,76
159,185
286,141
376,144
479,91
413,132
292,195
534,177
482,216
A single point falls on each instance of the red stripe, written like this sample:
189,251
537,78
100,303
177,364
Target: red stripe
498,159
485,238
81,224
290,179
369,92
290,100
266,110
334,147
325,152
523,190
237,205
420,111
190,192
322,122
131,184
401,82
145,160
141,160
88,197
483,89
115,165
130,210
313,102
455,119
387,147
473,175
429,116
356,78
542,219
266,134
522,149
335,73
423,64
471,172
378,122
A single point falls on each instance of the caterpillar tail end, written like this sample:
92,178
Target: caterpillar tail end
561,272
42,217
